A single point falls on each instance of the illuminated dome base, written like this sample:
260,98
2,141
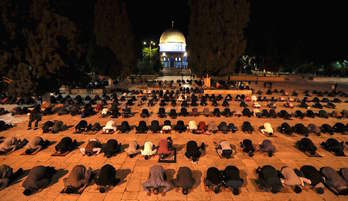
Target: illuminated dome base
173,49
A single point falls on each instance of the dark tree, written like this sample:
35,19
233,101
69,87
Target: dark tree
113,32
216,35
40,45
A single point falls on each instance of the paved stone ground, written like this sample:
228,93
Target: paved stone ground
135,170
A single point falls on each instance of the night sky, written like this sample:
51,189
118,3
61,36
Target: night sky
311,29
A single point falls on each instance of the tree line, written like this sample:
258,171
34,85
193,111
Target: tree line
46,44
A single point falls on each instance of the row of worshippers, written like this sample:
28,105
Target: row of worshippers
269,179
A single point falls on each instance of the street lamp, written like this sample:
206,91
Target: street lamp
150,43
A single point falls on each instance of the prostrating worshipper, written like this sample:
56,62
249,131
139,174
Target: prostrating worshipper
12,144
340,128
93,147
266,129
106,178
212,127
173,114
82,126
87,111
180,126
145,113
232,127
214,179
344,173
36,144
247,127
111,148
38,178
157,179
124,127
155,126
66,144
58,126
149,150
192,126
301,129
142,127
312,128
183,112
225,149
317,180
267,147
167,127
248,147
334,146
326,128
310,114
306,145
133,149
104,112
201,128
285,128
47,126
166,149
161,112
193,151
223,127
232,179
290,178
7,176
78,179
184,179
35,116
109,127
269,178
334,181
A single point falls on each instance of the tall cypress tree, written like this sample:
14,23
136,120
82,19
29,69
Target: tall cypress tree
216,35
112,30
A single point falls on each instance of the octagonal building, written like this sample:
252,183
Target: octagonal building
173,49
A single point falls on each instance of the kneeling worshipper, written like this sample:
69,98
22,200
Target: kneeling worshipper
213,179
292,179
78,179
225,149
93,147
38,178
267,147
166,149
266,129
269,178
36,144
317,180
184,179
334,181
149,150
193,151
65,145
133,149
109,127
157,179
106,178
232,180
12,144
111,148
7,176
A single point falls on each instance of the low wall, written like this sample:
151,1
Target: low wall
226,92
331,79
86,91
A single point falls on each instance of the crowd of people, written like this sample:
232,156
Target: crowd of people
194,104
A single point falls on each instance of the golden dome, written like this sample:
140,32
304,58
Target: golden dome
172,36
